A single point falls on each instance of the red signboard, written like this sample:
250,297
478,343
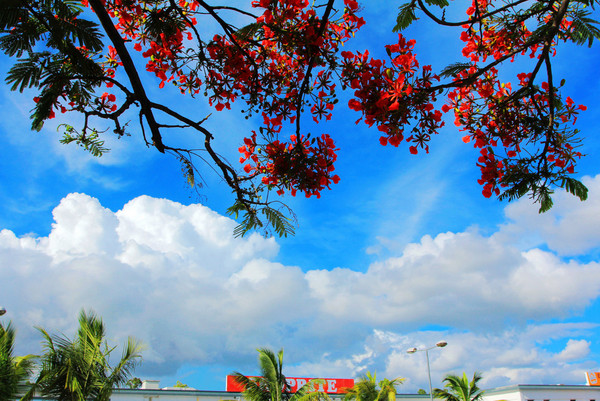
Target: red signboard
330,386
593,378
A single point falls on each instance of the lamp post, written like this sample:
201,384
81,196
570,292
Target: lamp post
440,344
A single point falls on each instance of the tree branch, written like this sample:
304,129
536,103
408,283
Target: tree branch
469,21
130,70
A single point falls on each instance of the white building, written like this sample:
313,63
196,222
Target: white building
151,391
532,392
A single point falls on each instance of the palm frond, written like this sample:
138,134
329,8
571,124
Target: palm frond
79,369
368,389
460,388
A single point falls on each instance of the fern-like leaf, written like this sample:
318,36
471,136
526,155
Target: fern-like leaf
90,141
583,28
11,13
250,222
281,224
453,70
15,44
85,33
276,220
405,17
545,200
247,32
161,21
575,187
188,171
26,73
439,3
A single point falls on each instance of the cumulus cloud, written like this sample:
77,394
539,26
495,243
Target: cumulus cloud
575,349
571,227
175,277
457,279
508,356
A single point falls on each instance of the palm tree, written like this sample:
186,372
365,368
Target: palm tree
368,389
79,369
460,389
14,370
272,385
134,382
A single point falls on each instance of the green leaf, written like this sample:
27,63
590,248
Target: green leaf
439,3
405,17
453,70
575,187
250,222
11,12
281,224
17,42
89,141
26,73
85,33
248,31
545,200
43,108
583,28
541,32
234,210
162,21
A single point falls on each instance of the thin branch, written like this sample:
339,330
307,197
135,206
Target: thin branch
307,76
470,20
249,14
231,35
192,26
130,70
228,173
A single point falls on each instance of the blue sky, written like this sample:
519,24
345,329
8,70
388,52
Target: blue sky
403,252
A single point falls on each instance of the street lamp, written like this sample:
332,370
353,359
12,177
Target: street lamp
440,344
2,310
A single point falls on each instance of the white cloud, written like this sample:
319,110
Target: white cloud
575,349
456,280
82,228
174,277
571,227
504,357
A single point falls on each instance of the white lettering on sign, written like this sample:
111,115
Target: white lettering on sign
331,386
300,382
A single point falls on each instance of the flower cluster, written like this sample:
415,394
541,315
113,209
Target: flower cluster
396,96
163,50
268,67
288,59
302,164
504,124
282,63
272,70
